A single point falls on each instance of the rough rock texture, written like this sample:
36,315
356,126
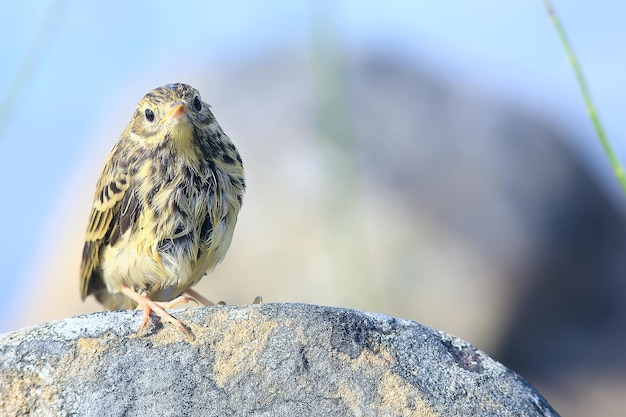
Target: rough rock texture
261,360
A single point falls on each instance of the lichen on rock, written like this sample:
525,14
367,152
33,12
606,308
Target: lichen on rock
271,359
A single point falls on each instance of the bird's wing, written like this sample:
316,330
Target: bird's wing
113,212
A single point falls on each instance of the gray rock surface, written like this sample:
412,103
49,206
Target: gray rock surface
261,360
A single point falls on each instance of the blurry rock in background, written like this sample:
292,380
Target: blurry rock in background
376,184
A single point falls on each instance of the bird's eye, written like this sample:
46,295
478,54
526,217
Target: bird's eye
149,115
197,103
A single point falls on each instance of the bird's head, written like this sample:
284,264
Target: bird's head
173,115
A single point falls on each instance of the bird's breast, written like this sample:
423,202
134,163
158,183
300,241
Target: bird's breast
184,228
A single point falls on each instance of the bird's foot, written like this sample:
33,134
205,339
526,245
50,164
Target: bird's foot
176,301
195,296
200,299
148,305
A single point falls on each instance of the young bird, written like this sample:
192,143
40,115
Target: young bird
165,206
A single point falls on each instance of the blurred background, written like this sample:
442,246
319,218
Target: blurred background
426,160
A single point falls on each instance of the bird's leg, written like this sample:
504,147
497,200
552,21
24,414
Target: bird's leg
199,298
175,301
195,296
147,305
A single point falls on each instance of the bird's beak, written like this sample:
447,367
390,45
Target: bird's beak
178,110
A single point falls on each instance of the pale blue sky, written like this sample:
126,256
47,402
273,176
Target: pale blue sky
102,47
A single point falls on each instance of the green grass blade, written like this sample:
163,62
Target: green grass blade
618,169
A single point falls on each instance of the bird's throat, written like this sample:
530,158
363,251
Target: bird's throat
182,134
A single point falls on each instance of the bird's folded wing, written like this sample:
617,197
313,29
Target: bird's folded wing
113,211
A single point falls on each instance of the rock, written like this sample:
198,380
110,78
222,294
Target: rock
261,360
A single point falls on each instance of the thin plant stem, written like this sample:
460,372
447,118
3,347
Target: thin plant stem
618,169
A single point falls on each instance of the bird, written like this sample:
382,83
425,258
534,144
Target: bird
165,207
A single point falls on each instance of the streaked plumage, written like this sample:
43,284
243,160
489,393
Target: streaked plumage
166,202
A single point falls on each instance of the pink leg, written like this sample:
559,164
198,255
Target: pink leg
199,298
147,305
